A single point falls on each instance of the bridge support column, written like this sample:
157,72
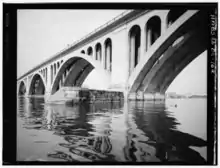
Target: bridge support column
106,61
132,54
149,34
103,56
164,25
27,87
108,58
49,78
120,55
143,43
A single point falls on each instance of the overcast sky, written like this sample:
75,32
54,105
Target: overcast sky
42,33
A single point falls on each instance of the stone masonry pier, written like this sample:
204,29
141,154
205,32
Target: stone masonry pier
77,95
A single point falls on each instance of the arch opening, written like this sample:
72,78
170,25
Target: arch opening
37,86
83,52
22,89
153,31
134,41
98,52
108,55
89,51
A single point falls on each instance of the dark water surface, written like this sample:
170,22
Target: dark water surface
134,131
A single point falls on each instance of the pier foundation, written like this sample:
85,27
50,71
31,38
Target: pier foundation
140,96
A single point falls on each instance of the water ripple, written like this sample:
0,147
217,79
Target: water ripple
129,132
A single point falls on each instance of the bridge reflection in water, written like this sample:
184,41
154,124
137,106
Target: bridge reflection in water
114,131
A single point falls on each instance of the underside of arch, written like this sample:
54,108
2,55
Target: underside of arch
79,69
174,60
183,46
37,86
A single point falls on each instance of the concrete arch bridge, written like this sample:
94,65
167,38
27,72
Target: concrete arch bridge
139,53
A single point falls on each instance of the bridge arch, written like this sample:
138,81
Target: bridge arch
183,41
37,85
22,88
79,66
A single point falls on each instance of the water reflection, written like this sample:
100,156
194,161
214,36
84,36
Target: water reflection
31,110
164,143
114,131
85,127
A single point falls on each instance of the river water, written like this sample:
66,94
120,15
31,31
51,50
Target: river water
174,130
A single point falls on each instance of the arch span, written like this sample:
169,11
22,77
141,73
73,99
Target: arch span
22,88
79,68
37,85
183,41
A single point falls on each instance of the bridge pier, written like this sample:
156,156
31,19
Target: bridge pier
77,94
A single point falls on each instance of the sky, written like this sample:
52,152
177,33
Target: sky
43,33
